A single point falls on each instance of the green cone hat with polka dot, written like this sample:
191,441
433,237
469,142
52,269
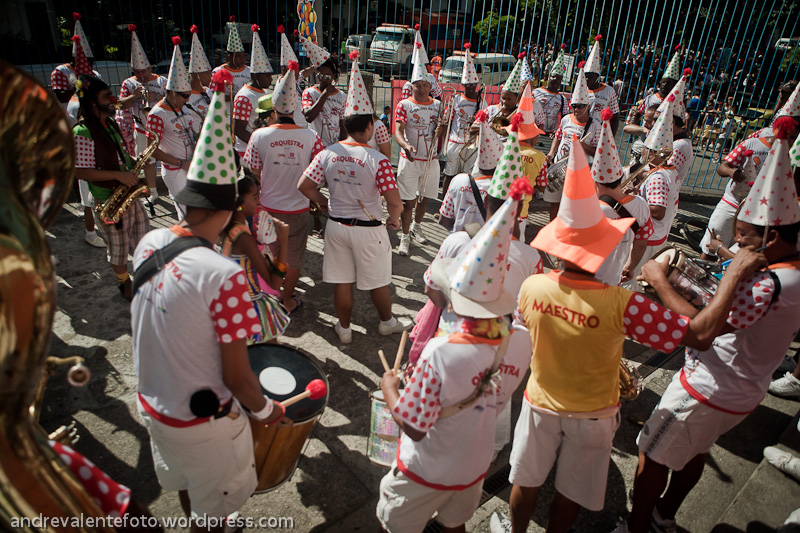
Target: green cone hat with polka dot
234,39
514,81
211,179
673,71
508,168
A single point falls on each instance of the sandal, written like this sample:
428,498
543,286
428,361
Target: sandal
298,303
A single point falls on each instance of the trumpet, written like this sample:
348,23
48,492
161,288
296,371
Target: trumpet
146,107
500,123
636,178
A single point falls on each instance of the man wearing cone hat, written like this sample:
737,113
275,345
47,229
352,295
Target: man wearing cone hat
555,104
287,56
663,89
570,411
245,103
236,64
200,77
324,104
419,50
601,96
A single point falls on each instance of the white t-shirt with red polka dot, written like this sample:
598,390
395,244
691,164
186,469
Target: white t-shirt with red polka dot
569,127
734,374
459,200
661,189
736,158
456,451
420,120
328,122
353,172
244,108
180,317
681,158
603,97
610,271
380,135
176,131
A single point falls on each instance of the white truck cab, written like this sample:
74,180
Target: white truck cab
391,48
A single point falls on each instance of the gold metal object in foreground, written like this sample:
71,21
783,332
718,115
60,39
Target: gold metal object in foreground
629,384
636,179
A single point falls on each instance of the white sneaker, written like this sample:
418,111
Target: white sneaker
786,387
95,240
231,521
405,243
416,232
499,523
661,525
398,327
784,461
791,523
345,335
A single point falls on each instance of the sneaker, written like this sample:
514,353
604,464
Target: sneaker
788,365
405,243
499,523
791,523
416,232
786,387
95,240
661,525
398,327
621,528
784,461
345,335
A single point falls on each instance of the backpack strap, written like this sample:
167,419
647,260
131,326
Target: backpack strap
162,256
621,210
478,198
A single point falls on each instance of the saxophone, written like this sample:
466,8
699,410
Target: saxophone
123,197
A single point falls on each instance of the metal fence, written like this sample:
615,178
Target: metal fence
739,51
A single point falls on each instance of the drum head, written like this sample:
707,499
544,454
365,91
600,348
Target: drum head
667,255
283,372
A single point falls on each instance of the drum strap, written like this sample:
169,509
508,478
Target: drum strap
621,211
162,256
478,198
450,410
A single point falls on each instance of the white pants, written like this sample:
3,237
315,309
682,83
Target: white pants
502,430
459,159
175,181
721,223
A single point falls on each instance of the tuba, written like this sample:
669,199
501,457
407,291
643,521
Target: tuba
37,166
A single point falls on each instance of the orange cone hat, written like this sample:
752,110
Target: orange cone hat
581,233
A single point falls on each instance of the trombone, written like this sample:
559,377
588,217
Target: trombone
445,114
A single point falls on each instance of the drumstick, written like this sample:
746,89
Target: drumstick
400,350
383,360
365,210
314,390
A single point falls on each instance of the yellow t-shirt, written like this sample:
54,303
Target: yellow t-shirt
576,325
532,162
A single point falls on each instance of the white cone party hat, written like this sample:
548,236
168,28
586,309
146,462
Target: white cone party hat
792,106
316,55
358,102
595,61
772,201
679,108
80,62
198,61
138,57
749,167
673,71
489,145
259,62
419,50
234,39
559,66
468,73
606,167
287,54
660,136
87,50
419,60
284,97
509,167
178,79
580,94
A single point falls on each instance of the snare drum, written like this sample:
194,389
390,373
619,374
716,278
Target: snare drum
283,372
689,277
384,433
556,174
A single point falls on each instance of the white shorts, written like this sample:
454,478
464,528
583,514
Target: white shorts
721,221
213,461
680,427
459,159
552,197
411,178
406,506
357,254
175,181
141,142
580,447
87,200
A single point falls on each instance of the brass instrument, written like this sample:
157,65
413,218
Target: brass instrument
557,171
446,117
636,178
448,100
500,122
37,155
630,384
123,197
146,107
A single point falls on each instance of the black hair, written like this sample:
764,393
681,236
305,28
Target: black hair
787,233
246,186
613,184
678,121
493,204
357,123
91,86
331,64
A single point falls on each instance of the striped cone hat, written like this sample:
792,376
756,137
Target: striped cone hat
287,54
468,73
606,167
87,49
284,97
178,79
234,39
527,110
139,59
198,61
595,61
316,54
514,81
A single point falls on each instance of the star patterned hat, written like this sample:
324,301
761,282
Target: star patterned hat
198,61
792,106
178,79
284,97
468,73
489,145
80,62
287,54
673,71
87,50
594,63
259,62
580,94
772,200
139,59
358,102
211,179
420,50
581,233
606,167
234,40
526,109
419,60
316,55
660,136
559,67
749,167
514,81
474,278
679,106
509,167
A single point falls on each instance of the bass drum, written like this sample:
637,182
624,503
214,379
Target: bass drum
283,372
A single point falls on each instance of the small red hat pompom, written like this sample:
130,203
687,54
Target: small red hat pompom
783,126
516,120
598,37
254,27
76,15
563,45
747,153
606,114
582,64
194,28
176,40
678,48
520,55
467,45
131,27
76,38
297,33
520,188
220,79
293,65
687,71
671,98
281,29
232,18
481,116
416,27
353,55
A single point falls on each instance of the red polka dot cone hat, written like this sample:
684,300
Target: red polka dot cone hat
358,102
595,61
580,93
178,79
87,49
284,97
489,146
234,43
679,106
606,167
211,179
139,59
316,55
509,168
198,60
673,71
660,136
468,72
419,60
81,63
772,200
527,128
581,233
474,278
792,106
514,81
559,67
259,62
287,53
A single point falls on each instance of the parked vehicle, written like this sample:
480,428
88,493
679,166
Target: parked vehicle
362,44
492,69
391,48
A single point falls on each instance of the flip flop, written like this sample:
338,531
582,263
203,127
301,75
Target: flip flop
298,304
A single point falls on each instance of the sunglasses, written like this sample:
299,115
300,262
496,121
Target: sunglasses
185,95
578,106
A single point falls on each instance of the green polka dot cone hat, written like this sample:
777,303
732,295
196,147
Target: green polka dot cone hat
794,153
259,62
211,179
772,200
178,79
358,102
87,50
419,59
559,67
284,97
198,61
595,61
287,53
673,71
234,39
660,136
509,167
139,59
514,81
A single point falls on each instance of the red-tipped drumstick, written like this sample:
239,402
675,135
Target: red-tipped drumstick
314,390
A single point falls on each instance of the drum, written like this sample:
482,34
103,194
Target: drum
283,372
556,174
689,277
384,433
